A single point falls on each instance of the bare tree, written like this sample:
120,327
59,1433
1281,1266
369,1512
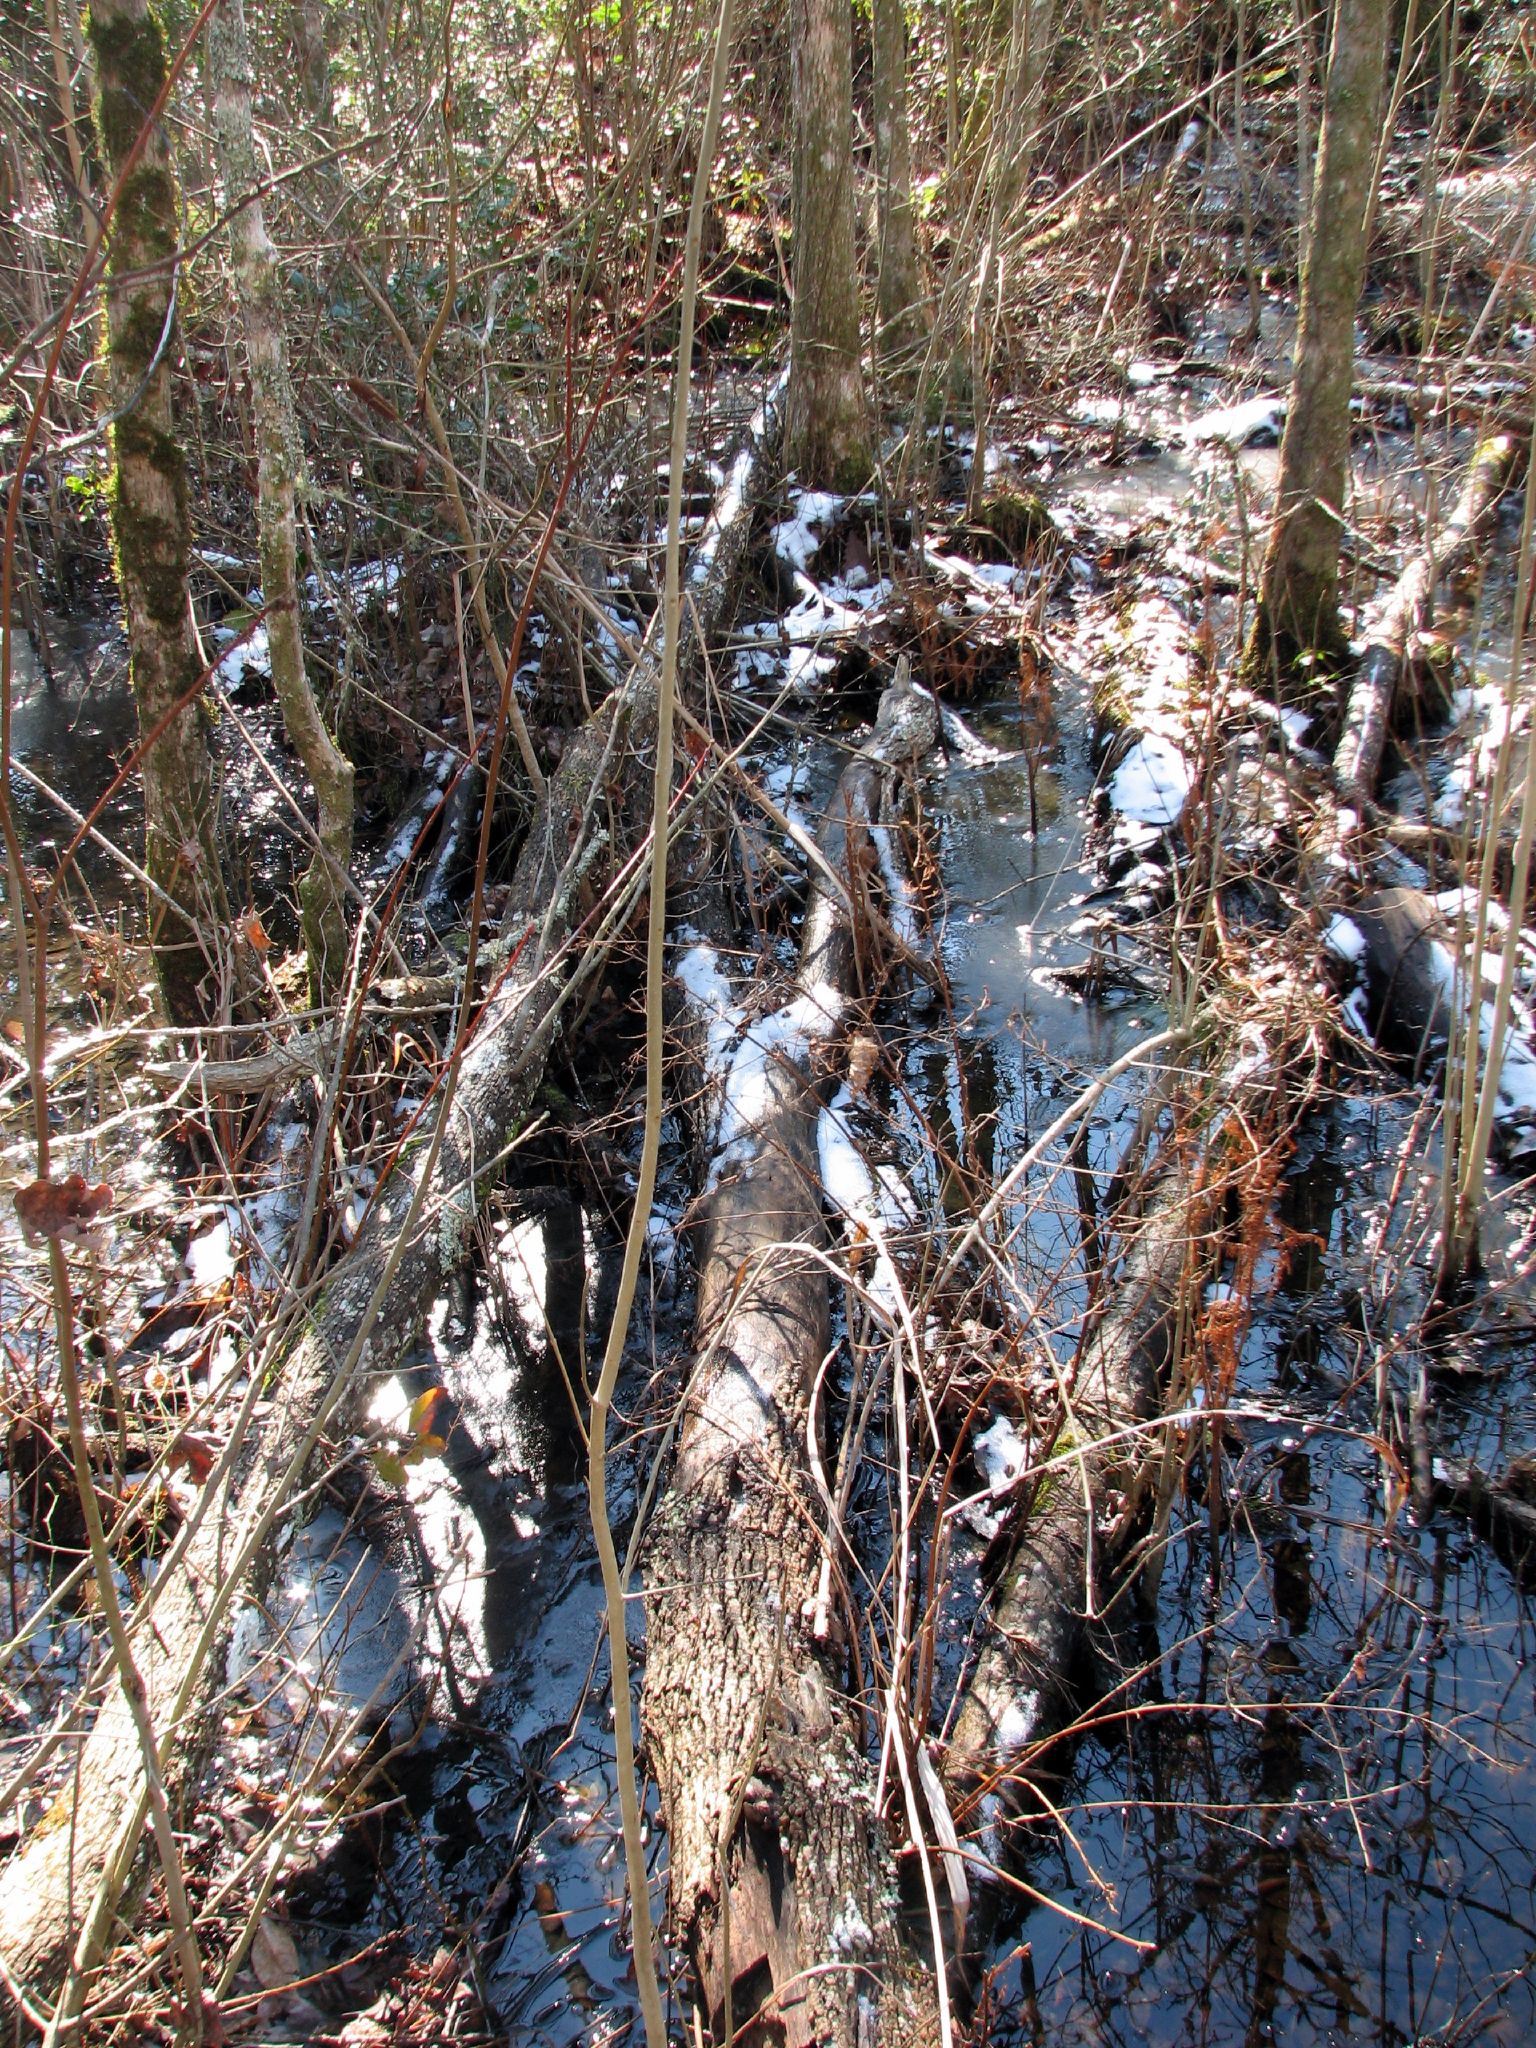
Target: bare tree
899,284
151,519
1296,626
828,426
258,288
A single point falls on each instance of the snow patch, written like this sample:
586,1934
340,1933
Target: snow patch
1152,783
873,1201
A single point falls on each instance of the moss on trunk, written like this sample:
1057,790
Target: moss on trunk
1298,642
151,517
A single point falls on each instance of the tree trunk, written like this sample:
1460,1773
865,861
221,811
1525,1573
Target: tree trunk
782,1883
828,432
258,289
903,320
151,517
311,48
1297,638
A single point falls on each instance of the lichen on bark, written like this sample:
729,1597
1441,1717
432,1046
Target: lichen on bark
151,514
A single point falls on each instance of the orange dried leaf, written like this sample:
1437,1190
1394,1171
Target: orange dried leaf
424,1410
253,931
195,1452
66,1209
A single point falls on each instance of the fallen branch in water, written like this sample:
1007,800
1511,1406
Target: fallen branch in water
1392,626
60,1892
782,1881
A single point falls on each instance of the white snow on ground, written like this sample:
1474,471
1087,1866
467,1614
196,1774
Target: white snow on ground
367,580
254,652
709,990
1003,1455
796,539
211,1257
1345,940
1484,712
1152,783
873,1201
1516,1094
1235,426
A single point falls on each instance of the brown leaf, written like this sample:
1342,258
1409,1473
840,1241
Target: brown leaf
65,1209
253,931
273,1957
195,1452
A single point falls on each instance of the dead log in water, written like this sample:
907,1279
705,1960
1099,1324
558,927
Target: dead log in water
1021,1691
60,1890
1420,993
782,1881
1392,625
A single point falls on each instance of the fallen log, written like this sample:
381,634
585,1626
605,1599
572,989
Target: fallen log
59,1892
1391,626
1419,993
1502,1506
1021,1692
781,1877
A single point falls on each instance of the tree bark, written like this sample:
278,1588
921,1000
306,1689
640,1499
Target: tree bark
903,316
1391,626
828,429
1297,637
594,810
307,27
151,515
782,1883
258,288
1021,1692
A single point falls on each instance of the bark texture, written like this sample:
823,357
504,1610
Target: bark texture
151,515
593,814
903,318
258,288
828,430
1392,625
782,1881
1296,630
1021,1693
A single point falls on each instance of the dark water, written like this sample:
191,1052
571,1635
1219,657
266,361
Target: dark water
1305,1813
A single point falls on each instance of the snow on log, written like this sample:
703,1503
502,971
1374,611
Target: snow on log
782,1879
1391,626
1418,985
71,1868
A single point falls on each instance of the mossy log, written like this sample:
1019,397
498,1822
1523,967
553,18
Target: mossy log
782,1880
70,1870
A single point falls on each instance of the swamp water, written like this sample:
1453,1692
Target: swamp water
1306,1811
